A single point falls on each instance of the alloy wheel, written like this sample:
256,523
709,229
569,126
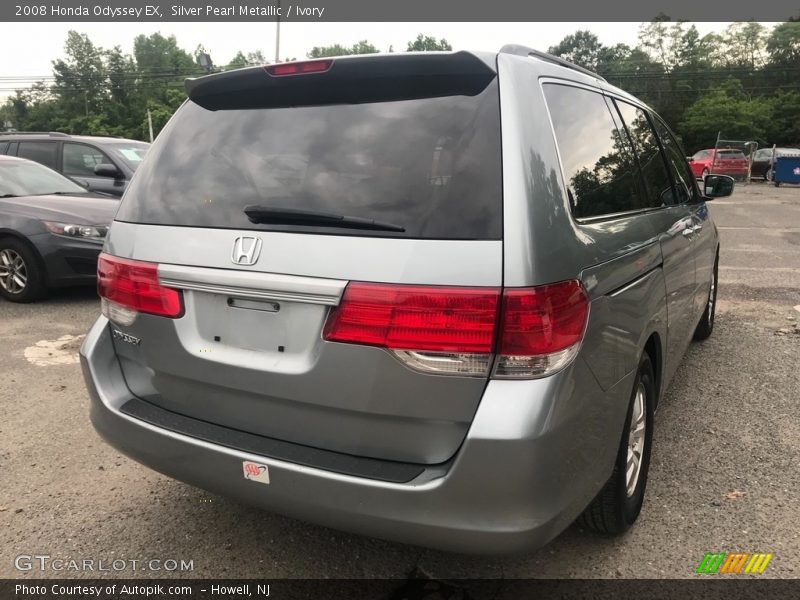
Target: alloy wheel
13,272
636,439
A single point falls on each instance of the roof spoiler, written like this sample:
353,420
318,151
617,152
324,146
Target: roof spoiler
347,80
556,60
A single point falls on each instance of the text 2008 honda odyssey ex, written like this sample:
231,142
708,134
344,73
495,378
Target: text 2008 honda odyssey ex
433,298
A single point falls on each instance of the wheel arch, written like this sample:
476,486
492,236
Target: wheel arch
16,235
654,349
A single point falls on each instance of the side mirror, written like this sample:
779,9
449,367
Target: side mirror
107,170
689,159
717,186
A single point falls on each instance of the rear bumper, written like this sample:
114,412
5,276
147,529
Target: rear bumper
535,455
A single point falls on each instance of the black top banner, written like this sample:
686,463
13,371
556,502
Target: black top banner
394,10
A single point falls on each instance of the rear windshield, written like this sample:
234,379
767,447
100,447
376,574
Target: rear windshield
431,166
730,154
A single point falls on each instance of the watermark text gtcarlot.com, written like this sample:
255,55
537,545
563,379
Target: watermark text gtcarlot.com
44,563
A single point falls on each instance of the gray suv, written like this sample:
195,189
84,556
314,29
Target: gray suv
433,298
100,164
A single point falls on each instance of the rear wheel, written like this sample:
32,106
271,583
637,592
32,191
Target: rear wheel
706,324
618,504
21,277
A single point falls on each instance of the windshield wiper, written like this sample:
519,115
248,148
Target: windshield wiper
291,216
8,195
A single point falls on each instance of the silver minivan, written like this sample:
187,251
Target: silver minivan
430,297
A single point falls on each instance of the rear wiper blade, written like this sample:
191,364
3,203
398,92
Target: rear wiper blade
292,216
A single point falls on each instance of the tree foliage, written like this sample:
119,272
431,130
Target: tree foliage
743,82
362,47
426,43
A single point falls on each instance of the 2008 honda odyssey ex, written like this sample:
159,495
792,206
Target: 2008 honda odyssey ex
428,297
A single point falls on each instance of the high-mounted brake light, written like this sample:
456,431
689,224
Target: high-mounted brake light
453,330
129,287
299,68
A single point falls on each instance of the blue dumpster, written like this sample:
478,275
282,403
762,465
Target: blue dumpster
787,170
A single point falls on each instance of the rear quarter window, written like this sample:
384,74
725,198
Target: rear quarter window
596,156
432,166
41,152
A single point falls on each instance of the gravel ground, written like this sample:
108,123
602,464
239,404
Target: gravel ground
724,475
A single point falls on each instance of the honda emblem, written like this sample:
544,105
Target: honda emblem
246,250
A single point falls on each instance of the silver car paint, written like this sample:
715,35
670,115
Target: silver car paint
534,456
521,458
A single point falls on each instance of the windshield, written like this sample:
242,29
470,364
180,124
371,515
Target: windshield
730,154
25,178
131,153
429,166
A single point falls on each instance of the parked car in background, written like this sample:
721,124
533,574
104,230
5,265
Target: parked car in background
763,161
383,308
723,161
102,164
51,230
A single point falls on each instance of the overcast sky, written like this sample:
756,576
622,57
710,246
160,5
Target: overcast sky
20,57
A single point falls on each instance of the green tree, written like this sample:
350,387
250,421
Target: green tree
783,44
362,47
80,78
784,125
582,48
744,44
246,60
728,110
426,43
657,38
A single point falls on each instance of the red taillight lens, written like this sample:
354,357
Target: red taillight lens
134,285
299,68
543,319
409,317
452,330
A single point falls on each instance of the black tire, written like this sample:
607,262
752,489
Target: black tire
34,287
613,511
706,325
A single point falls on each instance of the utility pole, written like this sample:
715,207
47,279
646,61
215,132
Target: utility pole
278,34
150,124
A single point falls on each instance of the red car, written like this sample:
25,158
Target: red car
725,161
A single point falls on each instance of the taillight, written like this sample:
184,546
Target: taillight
129,287
443,330
299,68
453,330
541,329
